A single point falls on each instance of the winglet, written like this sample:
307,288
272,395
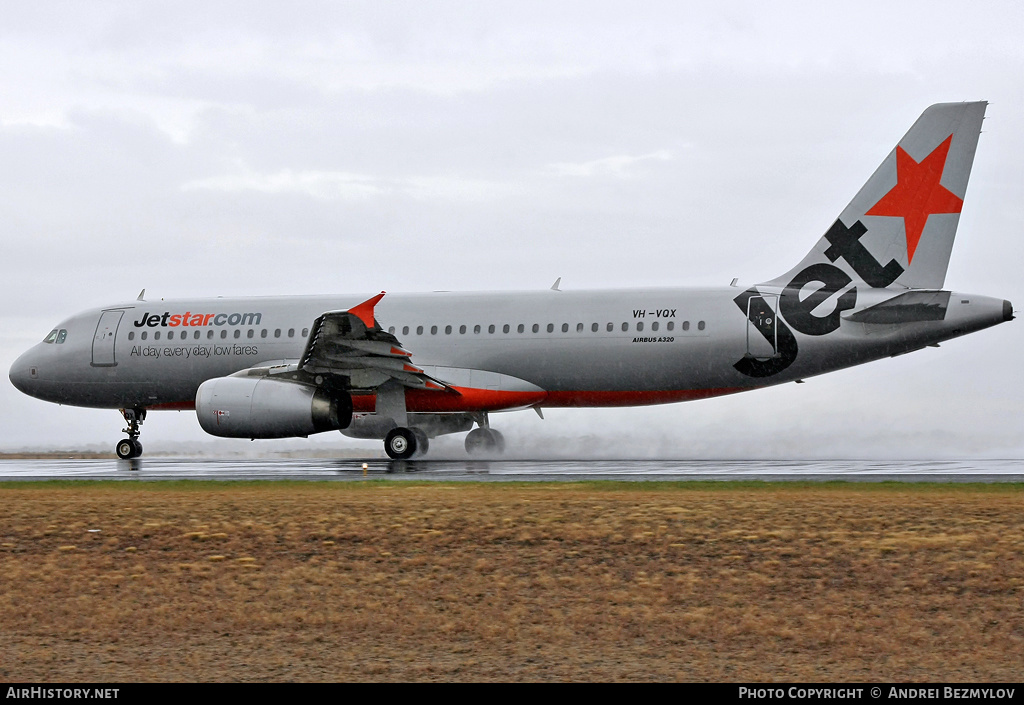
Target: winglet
364,311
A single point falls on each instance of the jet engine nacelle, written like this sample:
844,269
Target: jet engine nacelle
260,407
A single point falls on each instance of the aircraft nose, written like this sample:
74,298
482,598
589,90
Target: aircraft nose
1007,311
24,373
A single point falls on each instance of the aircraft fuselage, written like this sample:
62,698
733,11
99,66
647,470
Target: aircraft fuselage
586,348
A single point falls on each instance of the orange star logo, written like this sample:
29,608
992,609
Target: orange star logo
918,193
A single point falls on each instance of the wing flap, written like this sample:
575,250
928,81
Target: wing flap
352,345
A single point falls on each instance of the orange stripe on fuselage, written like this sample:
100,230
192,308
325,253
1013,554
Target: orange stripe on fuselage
419,400
467,399
632,398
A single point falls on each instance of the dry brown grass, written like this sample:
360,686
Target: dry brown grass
400,581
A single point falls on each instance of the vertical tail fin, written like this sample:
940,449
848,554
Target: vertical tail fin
898,230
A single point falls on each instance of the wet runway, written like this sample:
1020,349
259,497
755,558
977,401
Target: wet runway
349,469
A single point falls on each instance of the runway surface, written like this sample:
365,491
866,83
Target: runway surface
349,469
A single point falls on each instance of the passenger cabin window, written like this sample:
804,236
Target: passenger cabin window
145,335
462,330
579,327
419,330
505,328
405,330
238,333
277,332
433,330
625,327
611,327
639,326
476,329
654,326
447,330
170,335
490,328
593,328
223,334
263,333
209,333
671,325
156,335
249,333
686,325
700,325
520,328
305,332
131,335
536,328
291,333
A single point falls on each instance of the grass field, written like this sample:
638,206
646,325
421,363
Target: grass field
287,581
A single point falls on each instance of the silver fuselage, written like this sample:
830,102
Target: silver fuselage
650,345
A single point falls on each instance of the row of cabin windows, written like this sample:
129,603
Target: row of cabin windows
521,328
196,335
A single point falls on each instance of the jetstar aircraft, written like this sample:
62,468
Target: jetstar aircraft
407,368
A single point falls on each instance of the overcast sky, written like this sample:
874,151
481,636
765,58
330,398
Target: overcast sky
200,149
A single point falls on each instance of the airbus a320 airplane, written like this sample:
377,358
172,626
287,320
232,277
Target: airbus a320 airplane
406,368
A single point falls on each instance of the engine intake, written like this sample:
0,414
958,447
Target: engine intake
260,407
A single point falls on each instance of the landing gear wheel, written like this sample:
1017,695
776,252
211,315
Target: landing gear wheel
485,441
138,447
126,449
422,442
400,443
499,441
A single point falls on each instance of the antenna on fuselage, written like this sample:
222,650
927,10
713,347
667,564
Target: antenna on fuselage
142,295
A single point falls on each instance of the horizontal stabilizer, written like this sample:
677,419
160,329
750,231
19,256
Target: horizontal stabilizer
911,307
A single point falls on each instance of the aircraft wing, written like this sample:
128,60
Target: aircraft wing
351,347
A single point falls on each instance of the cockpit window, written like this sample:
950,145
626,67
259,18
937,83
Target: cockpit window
62,336
52,336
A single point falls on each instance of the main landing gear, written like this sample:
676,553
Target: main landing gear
130,447
403,443
484,440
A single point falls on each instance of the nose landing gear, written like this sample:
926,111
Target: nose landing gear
130,447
